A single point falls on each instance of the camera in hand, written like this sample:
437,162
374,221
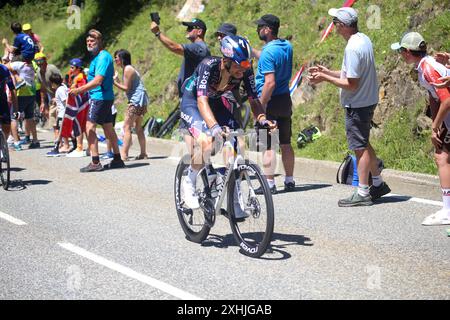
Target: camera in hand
155,17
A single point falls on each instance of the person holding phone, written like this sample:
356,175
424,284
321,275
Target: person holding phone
193,52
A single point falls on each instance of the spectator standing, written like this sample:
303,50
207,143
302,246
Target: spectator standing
359,96
413,50
272,82
137,102
100,87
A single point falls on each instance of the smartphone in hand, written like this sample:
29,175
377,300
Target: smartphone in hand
154,16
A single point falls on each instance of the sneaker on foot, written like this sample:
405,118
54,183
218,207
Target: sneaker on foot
190,199
115,164
75,154
17,146
34,145
92,167
378,192
441,217
355,200
273,190
290,186
53,153
25,140
107,155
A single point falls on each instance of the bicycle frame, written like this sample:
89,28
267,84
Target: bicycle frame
231,166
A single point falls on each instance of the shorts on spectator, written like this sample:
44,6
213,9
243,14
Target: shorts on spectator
100,111
134,110
26,105
357,126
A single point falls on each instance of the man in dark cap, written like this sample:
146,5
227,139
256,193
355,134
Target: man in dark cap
272,83
193,52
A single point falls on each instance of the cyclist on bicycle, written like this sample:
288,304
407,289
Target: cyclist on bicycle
5,114
204,109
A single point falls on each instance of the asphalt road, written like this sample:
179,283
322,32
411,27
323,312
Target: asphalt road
115,235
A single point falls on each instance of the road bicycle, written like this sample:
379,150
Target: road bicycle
4,160
253,233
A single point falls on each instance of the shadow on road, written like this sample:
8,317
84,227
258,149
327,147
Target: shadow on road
274,252
19,185
17,169
306,187
391,199
158,157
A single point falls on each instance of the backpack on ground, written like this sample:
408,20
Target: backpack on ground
348,171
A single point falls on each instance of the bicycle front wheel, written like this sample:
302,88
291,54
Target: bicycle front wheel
253,233
4,162
192,221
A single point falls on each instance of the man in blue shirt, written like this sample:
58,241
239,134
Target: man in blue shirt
272,82
23,44
100,87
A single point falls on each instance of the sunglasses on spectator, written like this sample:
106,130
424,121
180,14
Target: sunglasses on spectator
260,27
401,50
189,29
40,61
336,21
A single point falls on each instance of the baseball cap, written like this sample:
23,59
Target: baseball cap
76,62
39,55
195,23
346,15
26,27
412,41
227,29
269,20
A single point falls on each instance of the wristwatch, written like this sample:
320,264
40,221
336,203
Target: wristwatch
157,34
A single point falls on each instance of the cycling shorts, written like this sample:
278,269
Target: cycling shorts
192,120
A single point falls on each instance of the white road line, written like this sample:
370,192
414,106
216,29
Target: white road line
130,273
16,221
419,200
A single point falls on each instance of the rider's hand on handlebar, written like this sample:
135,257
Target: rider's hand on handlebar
216,131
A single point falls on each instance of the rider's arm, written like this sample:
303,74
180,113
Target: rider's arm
206,112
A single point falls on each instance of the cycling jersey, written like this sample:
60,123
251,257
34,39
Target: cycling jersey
206,82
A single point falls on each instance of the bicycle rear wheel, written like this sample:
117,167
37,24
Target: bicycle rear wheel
192,221
4,162
255,232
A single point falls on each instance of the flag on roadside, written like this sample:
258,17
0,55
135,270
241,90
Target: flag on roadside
297,80
75,115
326,33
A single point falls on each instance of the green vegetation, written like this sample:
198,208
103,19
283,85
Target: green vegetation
126,25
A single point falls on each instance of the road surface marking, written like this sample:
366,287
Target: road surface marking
167,288
419,200
16,221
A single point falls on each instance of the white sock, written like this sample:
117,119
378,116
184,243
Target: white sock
363,190
446,199
288,179
271,182
192,174
377,181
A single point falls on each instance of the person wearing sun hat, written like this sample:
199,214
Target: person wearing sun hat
413,49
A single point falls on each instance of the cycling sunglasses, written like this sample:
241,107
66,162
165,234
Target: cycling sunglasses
246,64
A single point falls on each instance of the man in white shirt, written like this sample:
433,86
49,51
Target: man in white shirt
358,85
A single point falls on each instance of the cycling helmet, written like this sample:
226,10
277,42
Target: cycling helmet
237,49
76,63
